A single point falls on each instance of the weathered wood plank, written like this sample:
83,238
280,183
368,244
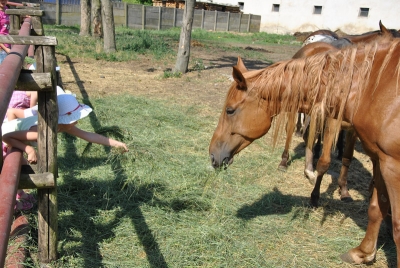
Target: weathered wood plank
47,162
36,181
29,40
29,81
25,12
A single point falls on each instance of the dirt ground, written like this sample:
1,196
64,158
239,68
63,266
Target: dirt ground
143,77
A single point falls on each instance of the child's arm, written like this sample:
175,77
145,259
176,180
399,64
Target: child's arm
14,139
33,98
95,138
6,49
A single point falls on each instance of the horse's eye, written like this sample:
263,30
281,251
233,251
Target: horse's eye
230,110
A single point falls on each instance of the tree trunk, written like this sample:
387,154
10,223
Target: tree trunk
85,18
108,26
97,30
182,61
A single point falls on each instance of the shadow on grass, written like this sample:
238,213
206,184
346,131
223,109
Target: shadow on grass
93,233
225,62
358,177
277,203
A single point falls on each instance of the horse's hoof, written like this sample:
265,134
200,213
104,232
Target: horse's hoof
347,258
355,256
298,134
313,204
310,176
282,168
347,199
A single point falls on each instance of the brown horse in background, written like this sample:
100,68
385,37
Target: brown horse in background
359,85
346,156
330,37
306,51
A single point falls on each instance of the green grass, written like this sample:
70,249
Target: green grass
239,38
162,205
159,44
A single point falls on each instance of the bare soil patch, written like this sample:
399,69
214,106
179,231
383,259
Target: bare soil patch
144,76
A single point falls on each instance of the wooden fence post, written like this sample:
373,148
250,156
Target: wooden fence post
143,16
248,23
174,23
159,17
58,13
215,20
126,14
240,20
227,23
47,160
202,19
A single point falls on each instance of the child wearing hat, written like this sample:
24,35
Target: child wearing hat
22,133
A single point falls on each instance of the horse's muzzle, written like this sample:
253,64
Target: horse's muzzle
224,162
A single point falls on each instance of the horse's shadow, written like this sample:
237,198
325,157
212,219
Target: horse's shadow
358,177
271,203
226,62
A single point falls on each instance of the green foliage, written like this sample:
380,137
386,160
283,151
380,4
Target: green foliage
171,74
198,65
160,44
141,2
130,43
249,38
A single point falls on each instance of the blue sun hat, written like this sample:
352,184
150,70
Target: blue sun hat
70,110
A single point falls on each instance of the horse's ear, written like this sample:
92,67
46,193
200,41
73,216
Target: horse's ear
239,78
383,29
240,65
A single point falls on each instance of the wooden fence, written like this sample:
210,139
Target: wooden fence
44,81
155,18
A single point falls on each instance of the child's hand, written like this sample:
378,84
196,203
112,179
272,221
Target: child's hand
32,158
121,145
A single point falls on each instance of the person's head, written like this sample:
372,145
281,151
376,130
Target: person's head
70,110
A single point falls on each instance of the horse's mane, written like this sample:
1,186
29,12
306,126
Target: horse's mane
328,78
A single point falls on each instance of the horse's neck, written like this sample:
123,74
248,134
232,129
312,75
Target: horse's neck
362,38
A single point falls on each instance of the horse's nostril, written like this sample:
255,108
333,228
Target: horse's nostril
213,163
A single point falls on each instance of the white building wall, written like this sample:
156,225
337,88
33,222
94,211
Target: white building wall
297,16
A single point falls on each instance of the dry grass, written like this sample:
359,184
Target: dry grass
162,205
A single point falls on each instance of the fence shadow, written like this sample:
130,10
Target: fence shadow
96,233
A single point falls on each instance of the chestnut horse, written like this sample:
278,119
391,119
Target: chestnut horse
359,85
306,51
313,48
330,37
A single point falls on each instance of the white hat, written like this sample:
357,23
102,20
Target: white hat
70,110
60,90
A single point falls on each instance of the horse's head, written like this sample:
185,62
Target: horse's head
242,120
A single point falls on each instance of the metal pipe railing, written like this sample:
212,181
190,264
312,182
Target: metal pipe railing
10,70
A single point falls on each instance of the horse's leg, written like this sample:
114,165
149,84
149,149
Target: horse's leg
350,143
317,147
324,161
299,124
378,208
340,144
285,153
389,170
308,168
